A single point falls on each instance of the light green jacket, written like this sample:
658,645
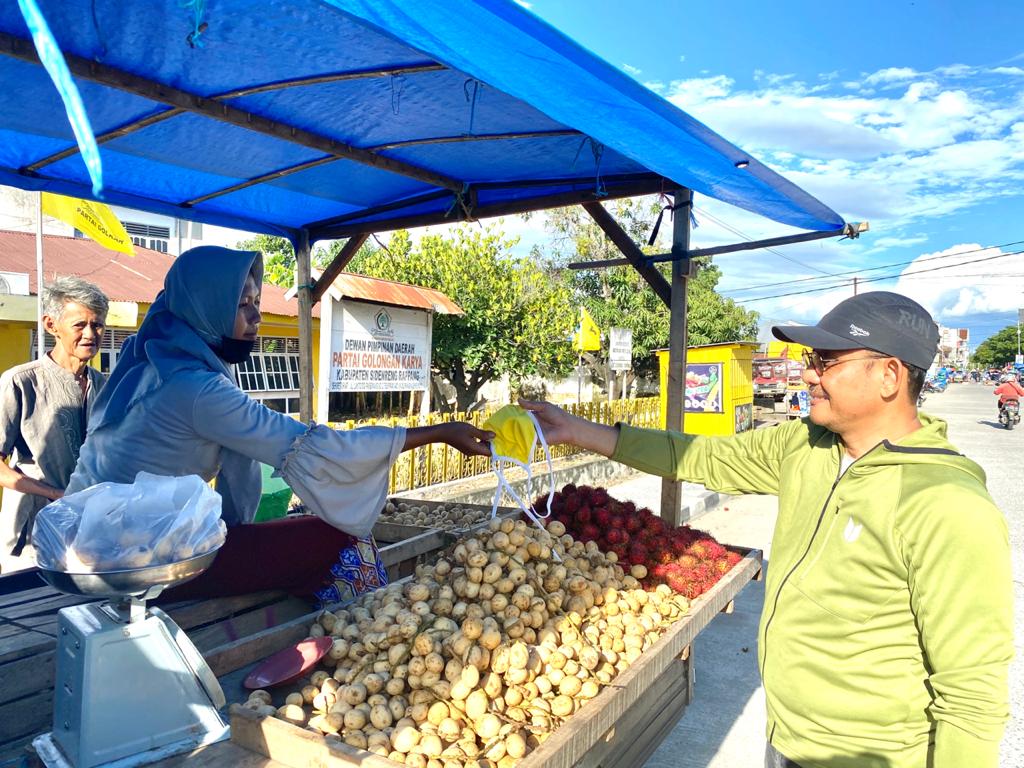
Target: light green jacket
887,630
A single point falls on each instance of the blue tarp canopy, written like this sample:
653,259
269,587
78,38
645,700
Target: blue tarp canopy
341,117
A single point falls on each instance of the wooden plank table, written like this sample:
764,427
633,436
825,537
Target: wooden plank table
231,632
621,727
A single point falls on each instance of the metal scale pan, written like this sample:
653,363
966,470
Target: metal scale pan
144,583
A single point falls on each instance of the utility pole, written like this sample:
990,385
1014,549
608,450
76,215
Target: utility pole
855,286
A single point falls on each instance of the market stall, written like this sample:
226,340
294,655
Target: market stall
391,115
719,391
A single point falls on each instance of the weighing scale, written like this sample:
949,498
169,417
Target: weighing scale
130,687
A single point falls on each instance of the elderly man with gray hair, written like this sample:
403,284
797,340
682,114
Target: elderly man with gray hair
44,407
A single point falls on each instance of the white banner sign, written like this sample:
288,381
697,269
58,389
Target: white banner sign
620,349
379,349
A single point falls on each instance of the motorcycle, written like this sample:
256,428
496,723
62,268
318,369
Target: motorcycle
1009,413
920,399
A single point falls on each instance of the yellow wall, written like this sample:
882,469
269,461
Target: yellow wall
737,386
15,339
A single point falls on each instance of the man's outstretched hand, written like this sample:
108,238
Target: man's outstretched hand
562,428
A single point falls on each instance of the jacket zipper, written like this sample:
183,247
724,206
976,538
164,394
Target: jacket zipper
817,527
778,592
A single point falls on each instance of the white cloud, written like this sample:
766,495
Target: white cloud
1007,71
891,75
524,3
931,144
966,279
630,69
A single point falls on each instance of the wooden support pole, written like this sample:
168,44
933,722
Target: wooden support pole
303,279
671,490
630,250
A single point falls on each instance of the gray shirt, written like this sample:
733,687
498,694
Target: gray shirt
42,426
199,422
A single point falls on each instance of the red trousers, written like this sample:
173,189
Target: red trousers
294,554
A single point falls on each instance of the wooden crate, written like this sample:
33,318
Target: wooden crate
620,728
503,512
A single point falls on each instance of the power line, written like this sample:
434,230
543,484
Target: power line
876,279
736,232
871,269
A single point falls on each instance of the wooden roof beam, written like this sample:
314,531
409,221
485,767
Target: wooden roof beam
613,191
159,117
95,72
634,256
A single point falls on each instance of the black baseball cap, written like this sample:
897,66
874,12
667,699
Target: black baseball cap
880,321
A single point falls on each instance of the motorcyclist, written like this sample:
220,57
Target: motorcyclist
1008,389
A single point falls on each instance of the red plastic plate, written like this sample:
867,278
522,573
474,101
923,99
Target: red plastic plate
289,664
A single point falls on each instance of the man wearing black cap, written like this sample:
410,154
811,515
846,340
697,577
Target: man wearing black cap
887,629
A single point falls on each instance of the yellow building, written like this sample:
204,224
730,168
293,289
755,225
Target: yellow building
719,389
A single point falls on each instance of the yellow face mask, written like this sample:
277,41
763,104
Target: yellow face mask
515,435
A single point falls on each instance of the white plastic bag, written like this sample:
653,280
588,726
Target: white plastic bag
113,526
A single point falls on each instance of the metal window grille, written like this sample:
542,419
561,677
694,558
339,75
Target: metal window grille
110,347
272,367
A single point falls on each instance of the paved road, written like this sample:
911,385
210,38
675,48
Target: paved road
724,727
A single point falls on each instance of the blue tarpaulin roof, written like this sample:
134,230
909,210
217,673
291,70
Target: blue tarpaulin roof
340,116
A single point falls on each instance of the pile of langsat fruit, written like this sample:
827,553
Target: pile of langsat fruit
478,658
447,517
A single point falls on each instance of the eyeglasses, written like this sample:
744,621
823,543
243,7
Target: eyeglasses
819,364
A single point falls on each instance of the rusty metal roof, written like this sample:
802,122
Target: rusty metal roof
360,288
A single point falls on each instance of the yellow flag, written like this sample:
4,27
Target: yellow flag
587,337
95,220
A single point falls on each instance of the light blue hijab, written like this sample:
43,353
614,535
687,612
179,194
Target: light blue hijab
195,310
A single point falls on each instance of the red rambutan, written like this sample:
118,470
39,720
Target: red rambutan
637,554
584,515
603,517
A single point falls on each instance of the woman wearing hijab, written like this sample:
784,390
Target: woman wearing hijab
171,407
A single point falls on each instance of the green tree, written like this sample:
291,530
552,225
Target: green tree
619,296
517,319
998,349
279,256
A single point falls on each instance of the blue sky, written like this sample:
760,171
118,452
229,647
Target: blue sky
907,114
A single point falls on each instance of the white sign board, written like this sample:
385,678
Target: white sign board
1019,359
375,348
620,349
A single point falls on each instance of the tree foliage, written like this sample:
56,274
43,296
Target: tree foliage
516,322
279,257
998,349
619,296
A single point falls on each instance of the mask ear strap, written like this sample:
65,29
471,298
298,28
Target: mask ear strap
547,456
499,462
